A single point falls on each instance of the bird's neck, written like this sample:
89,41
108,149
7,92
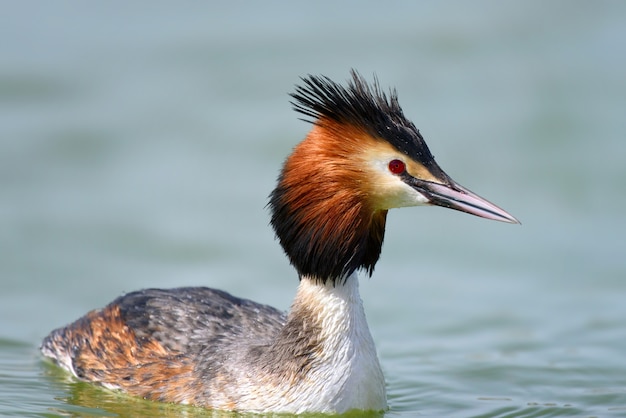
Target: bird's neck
326,345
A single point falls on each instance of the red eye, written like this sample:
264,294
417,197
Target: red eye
397,166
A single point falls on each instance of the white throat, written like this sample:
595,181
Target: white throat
347,374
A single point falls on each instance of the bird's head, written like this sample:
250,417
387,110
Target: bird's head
362,157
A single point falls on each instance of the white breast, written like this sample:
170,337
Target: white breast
347,373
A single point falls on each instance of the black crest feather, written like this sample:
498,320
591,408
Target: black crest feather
362,105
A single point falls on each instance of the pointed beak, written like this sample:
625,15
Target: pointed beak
456,197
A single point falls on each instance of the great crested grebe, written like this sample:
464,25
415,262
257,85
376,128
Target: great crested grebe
204,347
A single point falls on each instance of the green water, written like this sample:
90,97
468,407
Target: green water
139,142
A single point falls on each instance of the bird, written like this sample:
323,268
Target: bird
205,347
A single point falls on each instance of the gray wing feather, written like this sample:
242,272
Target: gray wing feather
190,319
